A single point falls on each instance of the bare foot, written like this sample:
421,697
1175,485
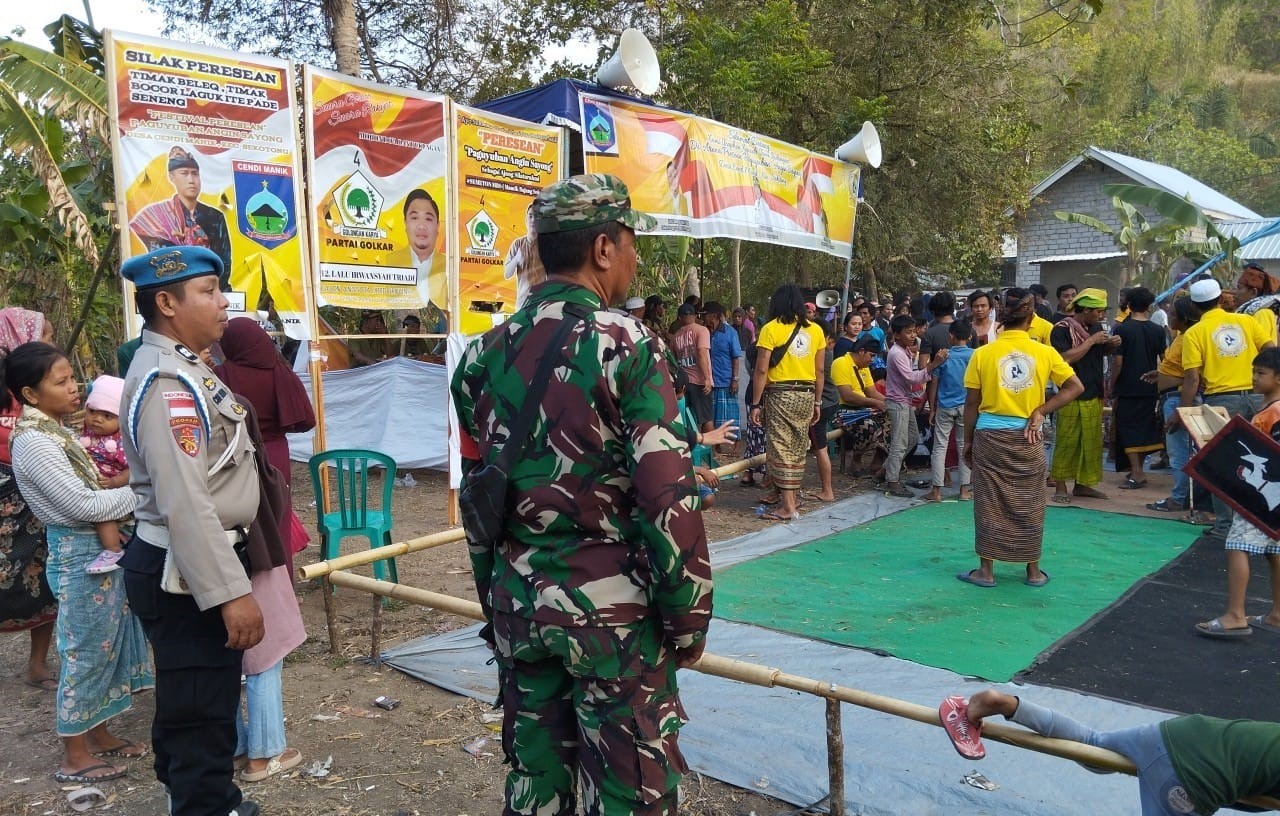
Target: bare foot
1085,492
933,495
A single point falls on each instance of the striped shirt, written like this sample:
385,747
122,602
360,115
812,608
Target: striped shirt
53,490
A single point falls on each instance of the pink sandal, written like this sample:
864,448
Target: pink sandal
965,734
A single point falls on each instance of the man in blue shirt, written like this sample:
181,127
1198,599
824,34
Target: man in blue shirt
946,409
726,356
871,329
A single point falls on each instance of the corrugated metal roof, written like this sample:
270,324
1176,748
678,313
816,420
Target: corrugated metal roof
1263,249
1215,205
1083,256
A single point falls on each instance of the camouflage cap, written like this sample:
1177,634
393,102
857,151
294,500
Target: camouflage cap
585,201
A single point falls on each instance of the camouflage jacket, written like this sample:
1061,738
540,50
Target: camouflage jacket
602,527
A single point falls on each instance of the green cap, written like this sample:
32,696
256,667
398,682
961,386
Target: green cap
585,201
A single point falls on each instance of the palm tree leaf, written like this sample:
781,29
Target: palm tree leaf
1085,220
67,88
25,132
1174,208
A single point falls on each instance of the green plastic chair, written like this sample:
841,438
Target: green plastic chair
352,515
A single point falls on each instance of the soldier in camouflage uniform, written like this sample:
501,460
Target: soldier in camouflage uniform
601,587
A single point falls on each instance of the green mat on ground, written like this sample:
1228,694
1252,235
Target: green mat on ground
891,586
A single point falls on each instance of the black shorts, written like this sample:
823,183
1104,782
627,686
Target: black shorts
818,430
700,403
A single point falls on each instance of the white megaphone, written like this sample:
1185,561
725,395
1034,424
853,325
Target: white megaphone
826,298
634,63
863,148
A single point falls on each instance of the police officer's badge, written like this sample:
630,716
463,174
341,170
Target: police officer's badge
209,383
237,408
184,423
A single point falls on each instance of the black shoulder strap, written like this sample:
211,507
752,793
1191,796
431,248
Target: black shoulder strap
781,351
518,438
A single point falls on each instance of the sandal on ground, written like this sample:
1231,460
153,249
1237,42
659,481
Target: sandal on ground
126,749
45,684
968,578
772,516
82,799
1062,498
1215,629
1260,622
965,734
1132,484
771,501
1167,506
288,758
1044,579
85,776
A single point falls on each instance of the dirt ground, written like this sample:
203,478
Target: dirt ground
384,763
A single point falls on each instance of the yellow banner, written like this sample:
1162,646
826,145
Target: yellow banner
705,179
502,164
377,159
205,151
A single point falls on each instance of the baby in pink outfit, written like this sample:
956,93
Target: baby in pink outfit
101,438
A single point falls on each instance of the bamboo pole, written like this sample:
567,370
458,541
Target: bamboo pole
835,760
768,677
426,542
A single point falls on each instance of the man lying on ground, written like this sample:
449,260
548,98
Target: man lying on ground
1191,764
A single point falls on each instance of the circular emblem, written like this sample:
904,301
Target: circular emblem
1229,340
1017,371
800,346
1179,801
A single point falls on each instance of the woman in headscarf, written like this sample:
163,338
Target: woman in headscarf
1003,444
254,369
787,392
26,602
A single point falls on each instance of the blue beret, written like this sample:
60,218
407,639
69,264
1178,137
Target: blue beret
161,267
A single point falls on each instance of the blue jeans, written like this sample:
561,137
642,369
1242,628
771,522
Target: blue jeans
1245,405
260,721
1160,791
1178,444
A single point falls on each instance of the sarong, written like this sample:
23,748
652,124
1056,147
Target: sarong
101,646
725,406
1008,496
25,598
786,435
1077,453
865,429
1138,428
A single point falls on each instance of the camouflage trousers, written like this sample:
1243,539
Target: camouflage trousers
592,709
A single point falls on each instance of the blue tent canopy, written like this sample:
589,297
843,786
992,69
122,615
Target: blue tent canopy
555,103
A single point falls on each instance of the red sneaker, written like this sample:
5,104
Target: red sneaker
965,734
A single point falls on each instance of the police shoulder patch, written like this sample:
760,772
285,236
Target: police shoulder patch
184,421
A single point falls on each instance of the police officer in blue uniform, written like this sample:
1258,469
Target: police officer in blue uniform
192,466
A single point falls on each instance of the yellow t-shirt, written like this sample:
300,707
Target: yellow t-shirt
1012,372
1039,329
798,362
1171,362
1267,320
1222,345
843,372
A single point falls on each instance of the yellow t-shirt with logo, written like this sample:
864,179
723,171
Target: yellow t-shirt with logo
1222,345
1012,372
1267,320
798,362
844,372
1039,329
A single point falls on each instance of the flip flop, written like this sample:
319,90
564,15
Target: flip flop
771,516
47,684
82,776
774,502
968,578
1260,622
127,749
965,734
1039,583
1062,498
82,799
1215,629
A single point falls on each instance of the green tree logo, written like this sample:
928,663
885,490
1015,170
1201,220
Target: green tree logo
358,201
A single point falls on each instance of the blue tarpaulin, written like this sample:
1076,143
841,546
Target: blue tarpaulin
555,103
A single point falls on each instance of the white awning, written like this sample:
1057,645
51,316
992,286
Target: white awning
1083,256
